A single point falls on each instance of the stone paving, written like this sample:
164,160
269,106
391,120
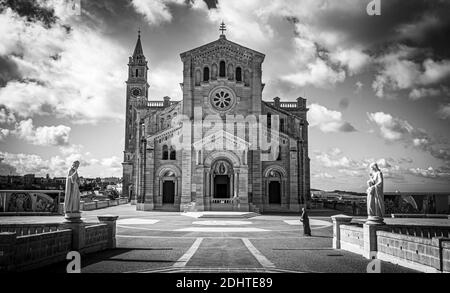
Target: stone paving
176,242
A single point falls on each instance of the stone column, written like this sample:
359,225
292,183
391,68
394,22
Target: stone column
111,222
78,234
339,220
370,238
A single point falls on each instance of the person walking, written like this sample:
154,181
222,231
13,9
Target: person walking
305,220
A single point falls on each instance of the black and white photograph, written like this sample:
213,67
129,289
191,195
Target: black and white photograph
227,142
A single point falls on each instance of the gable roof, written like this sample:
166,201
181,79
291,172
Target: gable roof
221,41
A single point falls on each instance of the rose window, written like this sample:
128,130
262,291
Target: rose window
222,99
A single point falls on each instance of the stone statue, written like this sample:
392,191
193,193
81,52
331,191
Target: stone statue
72,196
375,195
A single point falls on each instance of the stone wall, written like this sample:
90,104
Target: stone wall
97,204
352,238
25,246
32,251
422,248
415,252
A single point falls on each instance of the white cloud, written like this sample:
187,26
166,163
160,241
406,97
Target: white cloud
323,176
4,133
430,172
399,71
6,117
444,111
419,93
57,166
328,120
318,74
355,60
155,11
391,128
43,135
63,73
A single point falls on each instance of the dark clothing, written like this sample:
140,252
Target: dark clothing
305,220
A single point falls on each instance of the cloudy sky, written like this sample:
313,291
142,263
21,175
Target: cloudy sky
378,87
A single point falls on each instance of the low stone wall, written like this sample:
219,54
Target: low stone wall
25,247
422,248
446,256
29,229
419,253
352,238
97,204
96,238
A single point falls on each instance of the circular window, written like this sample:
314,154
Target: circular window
222,99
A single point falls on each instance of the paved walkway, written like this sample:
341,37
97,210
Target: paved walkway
174,242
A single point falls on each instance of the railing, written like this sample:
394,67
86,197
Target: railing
29,229
221,200
159,104
419,231
289,105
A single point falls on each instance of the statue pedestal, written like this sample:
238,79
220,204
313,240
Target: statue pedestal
374,220
73,217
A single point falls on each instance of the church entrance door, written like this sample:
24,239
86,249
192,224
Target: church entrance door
222,186
274,192
168,192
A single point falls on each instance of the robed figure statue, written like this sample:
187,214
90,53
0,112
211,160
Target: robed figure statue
72,196
375,195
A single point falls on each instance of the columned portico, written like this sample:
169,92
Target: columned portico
225,179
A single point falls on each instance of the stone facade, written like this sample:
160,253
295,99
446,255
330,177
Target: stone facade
222,147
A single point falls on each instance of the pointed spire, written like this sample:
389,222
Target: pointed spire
138,50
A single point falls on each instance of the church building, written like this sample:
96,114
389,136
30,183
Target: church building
222,147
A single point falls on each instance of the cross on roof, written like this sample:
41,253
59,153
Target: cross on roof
222,27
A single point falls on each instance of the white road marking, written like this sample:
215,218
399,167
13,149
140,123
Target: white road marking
222,223
137,221
182,261
220,229
258,255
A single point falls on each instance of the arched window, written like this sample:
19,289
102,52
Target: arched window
165,152
238,74
161,123
206,74
222,72
173,153
137,72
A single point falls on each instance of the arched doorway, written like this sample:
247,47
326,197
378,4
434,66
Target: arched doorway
222,172
275,185
274,192
168,192
168,186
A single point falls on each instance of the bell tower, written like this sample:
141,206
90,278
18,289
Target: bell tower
137,87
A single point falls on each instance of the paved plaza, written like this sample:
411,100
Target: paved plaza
184,242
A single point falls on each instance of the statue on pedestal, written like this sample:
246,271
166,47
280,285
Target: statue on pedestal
375,195
72,195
